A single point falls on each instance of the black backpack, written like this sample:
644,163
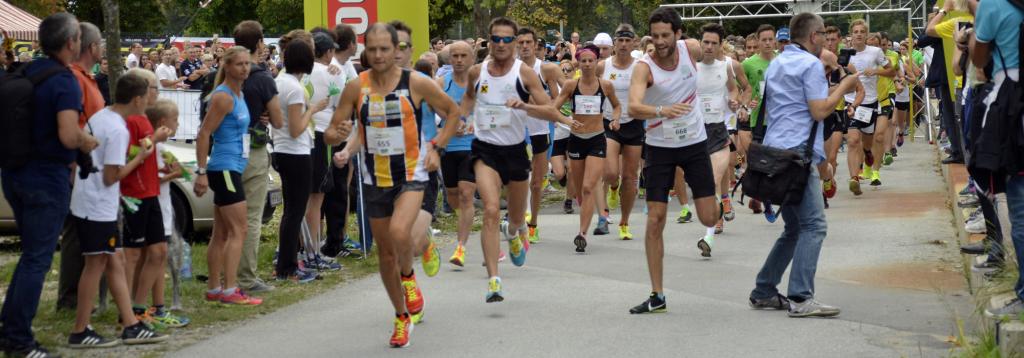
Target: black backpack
17,92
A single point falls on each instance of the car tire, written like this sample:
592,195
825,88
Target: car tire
182,214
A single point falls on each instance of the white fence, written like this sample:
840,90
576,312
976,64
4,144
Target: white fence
188,112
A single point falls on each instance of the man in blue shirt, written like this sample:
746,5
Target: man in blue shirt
39,192
997,24
798,96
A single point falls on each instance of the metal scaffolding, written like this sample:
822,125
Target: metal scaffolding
916,11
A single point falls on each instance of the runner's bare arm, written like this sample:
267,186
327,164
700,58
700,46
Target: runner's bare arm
741,77
551,75
734,92
567,91
695,51
639,80
341,122
469,98
609,91
274,112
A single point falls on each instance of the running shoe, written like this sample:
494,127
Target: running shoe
812,308
779,302
169,319
146,318
413,295
534,237
608,216
728,213
90,339
875,179
653,304
829,187
755,206
887,159
968,190
866,172
494,290
140,334
895,153
855,186
567,206
968,202
770,214
602,226
581,243
517,251
298,276
213,296
719,227
1011,309
239,298
624,233
640,193
459,257
318,263
976,225
899,139
403,329
351,245
33,350
705,245
685,216
431,260
613,198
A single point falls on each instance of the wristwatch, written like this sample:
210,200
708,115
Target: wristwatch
200,171
657,111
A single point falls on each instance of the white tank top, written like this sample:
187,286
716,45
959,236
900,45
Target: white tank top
712,90
620,81
668,87
730,117
537,126
494,122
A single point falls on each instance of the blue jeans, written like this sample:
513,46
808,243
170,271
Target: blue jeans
1015,202
39,194
801,239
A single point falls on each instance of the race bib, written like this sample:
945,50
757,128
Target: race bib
711,105
588,105
385,141
863,114
245,146
489,117
680,129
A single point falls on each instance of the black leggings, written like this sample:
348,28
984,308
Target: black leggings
296,183
335,206
987,183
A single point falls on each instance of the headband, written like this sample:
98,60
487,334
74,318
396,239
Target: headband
585,49
624,33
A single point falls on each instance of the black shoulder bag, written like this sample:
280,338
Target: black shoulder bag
776,176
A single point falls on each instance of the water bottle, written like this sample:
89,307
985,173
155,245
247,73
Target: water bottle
186,263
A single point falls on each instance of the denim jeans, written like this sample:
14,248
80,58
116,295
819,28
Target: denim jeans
39,194
800,243
1015,202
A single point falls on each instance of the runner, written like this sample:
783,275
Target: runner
754,67
887,93
458,172
664,89
624,140
901,100
605,200
587,144
866,116
537,129
910,71
503,86
836,124
739,79
717,94
559,163
395,161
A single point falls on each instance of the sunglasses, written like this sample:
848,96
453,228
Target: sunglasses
499,39
403,46
566,69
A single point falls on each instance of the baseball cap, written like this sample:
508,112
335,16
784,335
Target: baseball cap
783,34
323,42
602,39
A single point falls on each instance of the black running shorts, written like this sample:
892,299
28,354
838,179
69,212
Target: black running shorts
660,171
510,161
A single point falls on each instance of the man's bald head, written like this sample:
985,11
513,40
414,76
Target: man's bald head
460,56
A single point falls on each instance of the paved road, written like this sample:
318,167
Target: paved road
888,262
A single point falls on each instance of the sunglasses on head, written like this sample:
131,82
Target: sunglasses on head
499,39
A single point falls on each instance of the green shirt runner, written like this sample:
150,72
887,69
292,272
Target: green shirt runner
754,67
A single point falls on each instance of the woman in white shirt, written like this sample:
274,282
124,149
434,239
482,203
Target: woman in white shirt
292,145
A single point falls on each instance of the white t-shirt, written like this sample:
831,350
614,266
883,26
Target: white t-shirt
350,71
322,81
166,208
289,92
165,72
90,198
133,61
871,58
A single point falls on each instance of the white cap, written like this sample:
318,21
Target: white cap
602,39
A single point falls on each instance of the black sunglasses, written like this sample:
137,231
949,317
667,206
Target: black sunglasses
499,39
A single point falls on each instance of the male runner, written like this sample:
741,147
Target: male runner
754,67
664,90
455,164
717,95
623,144
537,129
836,124
739,78
868,117
498,101
396,161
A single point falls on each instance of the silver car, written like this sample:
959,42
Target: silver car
193,215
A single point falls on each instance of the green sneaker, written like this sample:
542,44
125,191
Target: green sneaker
613,198
169,320
887,159
431,260
684,216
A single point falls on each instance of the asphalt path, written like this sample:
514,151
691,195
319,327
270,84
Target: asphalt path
889,262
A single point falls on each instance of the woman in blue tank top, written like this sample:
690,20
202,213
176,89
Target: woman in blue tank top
226,123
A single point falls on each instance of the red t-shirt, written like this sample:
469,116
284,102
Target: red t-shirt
144,181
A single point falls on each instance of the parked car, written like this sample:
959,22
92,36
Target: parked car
193,215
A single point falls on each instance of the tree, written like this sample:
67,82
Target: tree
444,14
135,16
112,34
222,16
39,8
278,16
538,14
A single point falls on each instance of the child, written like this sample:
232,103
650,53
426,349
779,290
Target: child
164,115
94,204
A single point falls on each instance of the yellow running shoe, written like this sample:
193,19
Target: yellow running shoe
875,179
534,237
459,257
431,260
866,173
613,198
624,233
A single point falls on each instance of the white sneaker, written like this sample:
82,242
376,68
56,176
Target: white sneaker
976,225
811,308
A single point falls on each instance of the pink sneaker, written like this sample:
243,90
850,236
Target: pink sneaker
240,298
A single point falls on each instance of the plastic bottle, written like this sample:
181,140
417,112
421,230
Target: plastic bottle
186,262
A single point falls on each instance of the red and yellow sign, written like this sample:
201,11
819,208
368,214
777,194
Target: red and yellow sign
363,13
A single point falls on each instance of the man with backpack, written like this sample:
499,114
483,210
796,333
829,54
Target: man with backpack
998,28
40,135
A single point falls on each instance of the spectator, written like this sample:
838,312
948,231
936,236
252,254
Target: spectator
260,92
39,191
797,96
444,61
424,67
998,26
436,44
71,261
193,69
942,26
431,59
154,57
134,56
166,73
103,81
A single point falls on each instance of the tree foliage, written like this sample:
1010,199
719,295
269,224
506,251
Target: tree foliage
39,8
446,13
538,14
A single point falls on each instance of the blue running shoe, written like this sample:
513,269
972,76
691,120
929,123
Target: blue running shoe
769,213
351,245
494,290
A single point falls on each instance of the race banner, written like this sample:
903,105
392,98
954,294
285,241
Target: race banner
360,14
